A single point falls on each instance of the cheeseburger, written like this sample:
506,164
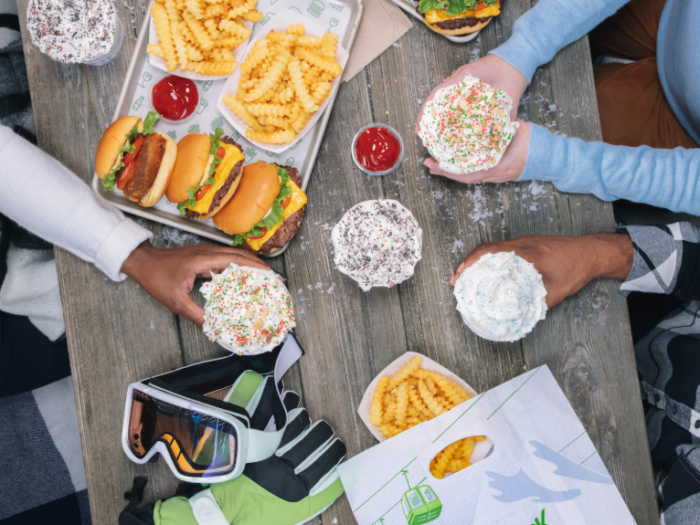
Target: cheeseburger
267,209
206,174
458,17
136,159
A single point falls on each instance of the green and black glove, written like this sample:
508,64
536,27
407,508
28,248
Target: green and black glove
295,484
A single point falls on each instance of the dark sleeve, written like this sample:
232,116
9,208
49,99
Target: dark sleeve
666,260
681,488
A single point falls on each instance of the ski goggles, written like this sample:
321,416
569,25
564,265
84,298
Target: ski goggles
204,439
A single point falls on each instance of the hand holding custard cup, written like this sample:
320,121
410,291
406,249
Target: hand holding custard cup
502,81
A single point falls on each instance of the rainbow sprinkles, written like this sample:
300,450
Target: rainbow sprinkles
248,311
467,127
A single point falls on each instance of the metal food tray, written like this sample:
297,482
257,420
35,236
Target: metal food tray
206,229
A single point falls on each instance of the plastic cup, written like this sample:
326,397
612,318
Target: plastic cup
116,48
396,136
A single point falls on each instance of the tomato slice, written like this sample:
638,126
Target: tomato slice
202,192
125,175
129,157
286,202
264,231
221,152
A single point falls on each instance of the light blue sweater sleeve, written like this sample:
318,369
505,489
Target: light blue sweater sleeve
660,177
548,27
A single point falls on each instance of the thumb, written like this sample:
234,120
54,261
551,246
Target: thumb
188,309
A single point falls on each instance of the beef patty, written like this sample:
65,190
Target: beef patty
146,166
230,179
458,23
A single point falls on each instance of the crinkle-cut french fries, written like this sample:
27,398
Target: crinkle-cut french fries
285,79
200,35
414,395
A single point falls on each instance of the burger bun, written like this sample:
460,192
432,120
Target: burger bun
258,188
111,142
192,158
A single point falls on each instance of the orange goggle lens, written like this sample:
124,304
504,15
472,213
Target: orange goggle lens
199,445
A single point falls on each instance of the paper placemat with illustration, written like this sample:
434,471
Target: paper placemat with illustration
543,467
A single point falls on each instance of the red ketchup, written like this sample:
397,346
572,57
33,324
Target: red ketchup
377,149
175,98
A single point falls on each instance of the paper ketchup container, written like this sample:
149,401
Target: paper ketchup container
481,448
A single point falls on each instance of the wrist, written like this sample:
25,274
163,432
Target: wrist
613,255
137,260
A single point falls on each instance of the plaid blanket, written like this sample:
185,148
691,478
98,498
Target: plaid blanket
666,331
42,477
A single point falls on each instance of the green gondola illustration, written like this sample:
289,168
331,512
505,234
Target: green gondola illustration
420,504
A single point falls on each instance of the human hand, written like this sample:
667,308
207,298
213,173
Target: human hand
501,75
493,70
566,263
510,167
168,275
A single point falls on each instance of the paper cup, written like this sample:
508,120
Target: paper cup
481,448
279,22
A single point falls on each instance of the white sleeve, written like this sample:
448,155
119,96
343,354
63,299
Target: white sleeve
43,196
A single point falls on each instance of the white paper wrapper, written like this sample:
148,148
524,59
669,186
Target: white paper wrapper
481,448
279,23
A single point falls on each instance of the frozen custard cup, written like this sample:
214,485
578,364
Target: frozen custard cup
116,48
76,32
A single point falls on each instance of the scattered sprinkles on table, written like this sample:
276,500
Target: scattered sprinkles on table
249,311
377,243
72,30
501,297
467,127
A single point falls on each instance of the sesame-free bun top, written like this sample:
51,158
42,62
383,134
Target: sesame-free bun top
192,158
258,189
112,140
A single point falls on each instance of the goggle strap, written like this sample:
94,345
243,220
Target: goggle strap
217,374
289,353
206,510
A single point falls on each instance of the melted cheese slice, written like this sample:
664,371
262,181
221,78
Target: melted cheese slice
297,201
433,16
233,156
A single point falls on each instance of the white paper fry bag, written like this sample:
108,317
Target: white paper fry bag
543,468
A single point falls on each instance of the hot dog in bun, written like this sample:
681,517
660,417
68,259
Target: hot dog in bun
136,159
458,17
206,175
267,209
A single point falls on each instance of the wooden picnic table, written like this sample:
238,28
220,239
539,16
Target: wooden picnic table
117,334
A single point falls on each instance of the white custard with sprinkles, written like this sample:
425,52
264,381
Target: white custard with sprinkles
501,297
466,126
248,311
377,243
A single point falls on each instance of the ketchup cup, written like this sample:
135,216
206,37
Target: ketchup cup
382,152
